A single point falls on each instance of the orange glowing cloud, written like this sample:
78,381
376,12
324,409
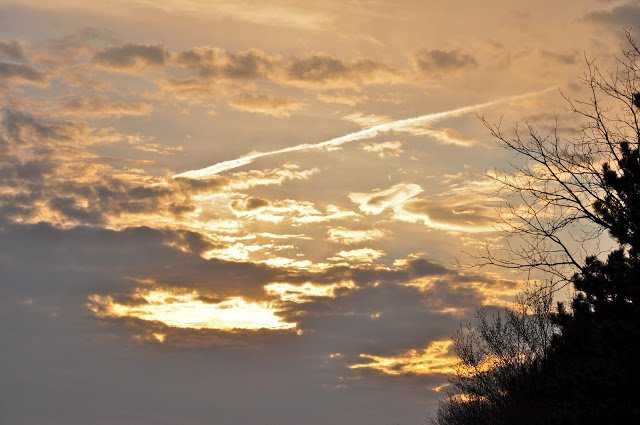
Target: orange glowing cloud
435,358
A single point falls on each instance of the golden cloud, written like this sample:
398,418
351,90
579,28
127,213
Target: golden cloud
379,200
190,311
435,359
265,104
348,236
362,255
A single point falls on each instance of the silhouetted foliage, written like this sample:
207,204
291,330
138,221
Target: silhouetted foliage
495,355
586,368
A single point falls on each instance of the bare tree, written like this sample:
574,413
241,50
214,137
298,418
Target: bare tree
495,354
575,198
552,219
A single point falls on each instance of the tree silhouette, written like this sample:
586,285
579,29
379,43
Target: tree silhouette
494,356
570,193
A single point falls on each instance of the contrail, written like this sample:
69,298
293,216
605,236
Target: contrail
366,133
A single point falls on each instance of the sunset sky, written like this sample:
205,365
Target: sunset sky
250,212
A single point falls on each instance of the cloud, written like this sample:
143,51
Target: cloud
203,67
57,179
451,214
54,176
327,71
68,50
341,98
156,148
367,120
366,133
22,128
189,90
131,57
384,149
265,104
344,236
131,253
95,286
453,294
625,15
307,291
186,310
361,255
217,63
436,358
50,274
442,63
135,269
96,105
20,73
445,136
244,180
249,203
317,71
12,50
470,206
148,296
378,201
139,253
287,210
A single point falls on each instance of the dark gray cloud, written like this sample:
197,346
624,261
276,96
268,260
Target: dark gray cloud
132,56
132,253
12,50
369,320
323,69
440,63
79,369
65,58
626,15
21,128
212,62
316,70
21,73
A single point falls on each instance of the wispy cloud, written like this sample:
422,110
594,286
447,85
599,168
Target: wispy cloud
366,133
265,104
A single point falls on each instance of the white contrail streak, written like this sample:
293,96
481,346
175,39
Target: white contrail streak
366,133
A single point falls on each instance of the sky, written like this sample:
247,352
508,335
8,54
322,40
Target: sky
255,212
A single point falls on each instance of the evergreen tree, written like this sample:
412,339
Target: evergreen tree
585,370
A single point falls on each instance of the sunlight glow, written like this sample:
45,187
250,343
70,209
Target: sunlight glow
187,310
